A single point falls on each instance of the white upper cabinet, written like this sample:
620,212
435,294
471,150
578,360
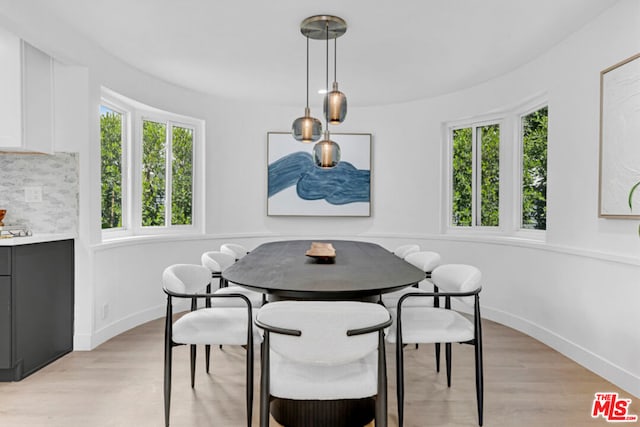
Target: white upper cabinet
11,90
26,101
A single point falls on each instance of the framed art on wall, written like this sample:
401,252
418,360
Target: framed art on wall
620,139
296,187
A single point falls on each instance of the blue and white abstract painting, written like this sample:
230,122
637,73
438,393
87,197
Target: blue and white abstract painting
297,187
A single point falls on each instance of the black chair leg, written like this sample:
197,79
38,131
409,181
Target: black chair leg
479,380
264,382
249,396
381,398
167,382
207,356
193,365
437,357
400,382
447,353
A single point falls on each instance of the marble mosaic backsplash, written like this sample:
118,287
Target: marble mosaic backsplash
56,175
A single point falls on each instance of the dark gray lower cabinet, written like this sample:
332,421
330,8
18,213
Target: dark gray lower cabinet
36,306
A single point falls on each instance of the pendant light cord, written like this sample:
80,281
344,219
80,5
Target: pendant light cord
335,59
326,95
307,71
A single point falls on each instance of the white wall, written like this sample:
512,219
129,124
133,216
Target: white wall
578,291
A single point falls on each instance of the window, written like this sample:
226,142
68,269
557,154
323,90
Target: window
159,158
534,169
496,176
475,168
111,142
167,174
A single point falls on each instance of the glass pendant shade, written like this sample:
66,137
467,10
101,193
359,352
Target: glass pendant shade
306,129
335,106
326,153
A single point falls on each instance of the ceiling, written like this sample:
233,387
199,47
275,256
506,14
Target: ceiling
392,51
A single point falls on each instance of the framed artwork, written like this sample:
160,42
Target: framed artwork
296,187
620,139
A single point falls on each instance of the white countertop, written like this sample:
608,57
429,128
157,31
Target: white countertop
36,238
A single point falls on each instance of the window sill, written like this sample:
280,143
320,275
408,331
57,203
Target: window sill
116,240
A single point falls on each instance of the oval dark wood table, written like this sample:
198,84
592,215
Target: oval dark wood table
360,271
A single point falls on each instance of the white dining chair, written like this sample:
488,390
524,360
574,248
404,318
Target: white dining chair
217,262
404,250
414,324
235,250
210,325
323,350
425,261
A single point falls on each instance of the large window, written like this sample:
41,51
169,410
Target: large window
475,176
496,177
167,174
534,169
160,195
111,143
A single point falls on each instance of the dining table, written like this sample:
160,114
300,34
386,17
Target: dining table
360,271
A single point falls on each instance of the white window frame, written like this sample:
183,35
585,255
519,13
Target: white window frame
511,151
524,110
125,161
449,128
137,112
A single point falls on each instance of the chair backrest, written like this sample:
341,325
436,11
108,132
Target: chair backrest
425,260
404,250
235,250
186,278
323,326
217,261
456,278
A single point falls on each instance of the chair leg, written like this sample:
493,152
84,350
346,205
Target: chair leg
479,381
193,365
437,357
249,386
447,355
167,381
207,356
381,398
400,382
264,382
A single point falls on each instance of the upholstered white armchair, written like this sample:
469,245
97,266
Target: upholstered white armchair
323,350
235,250
415,324
403,250
211,325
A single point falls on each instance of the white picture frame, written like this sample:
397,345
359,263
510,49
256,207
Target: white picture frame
296,187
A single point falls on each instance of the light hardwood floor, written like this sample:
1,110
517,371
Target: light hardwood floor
120,384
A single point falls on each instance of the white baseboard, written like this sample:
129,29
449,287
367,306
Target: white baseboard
85,342
613,373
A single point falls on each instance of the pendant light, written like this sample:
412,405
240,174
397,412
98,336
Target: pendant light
326,153
306,128
335,102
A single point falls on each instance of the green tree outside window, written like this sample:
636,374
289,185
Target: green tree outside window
111,167
534,169
182,174
485,165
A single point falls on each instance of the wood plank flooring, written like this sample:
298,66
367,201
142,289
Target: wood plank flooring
119,384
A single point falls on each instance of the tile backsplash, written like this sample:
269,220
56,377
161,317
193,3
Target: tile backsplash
56,175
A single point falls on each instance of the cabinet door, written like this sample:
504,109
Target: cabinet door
11,90
43,311
5,322
38,100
